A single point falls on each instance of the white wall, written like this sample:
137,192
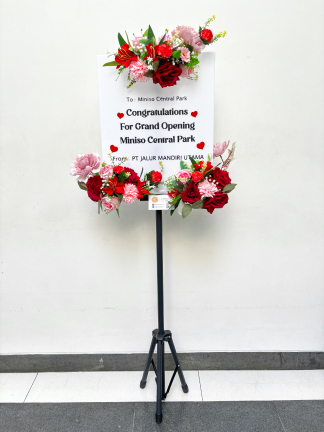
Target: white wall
248,278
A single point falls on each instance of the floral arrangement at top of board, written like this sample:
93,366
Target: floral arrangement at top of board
201,185
109,184
163,59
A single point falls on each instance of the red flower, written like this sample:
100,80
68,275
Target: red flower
114,186
209,166
221,177
207,35
125,56
156,176
141,190
197,176
118,169
173,193
191,194
133,178
94,184
167,74
164,51
150,49
217,201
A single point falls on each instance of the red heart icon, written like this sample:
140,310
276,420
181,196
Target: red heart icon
114,148
194,113
201,145
120,115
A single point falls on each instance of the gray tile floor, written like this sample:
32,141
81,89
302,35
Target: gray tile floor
279,416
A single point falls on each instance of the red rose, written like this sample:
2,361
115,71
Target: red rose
156,176
221,177
164,51
197,176
207,35
118,169
133,178
167,74
94,184
217,201
173,193
125,56
150,49
191,194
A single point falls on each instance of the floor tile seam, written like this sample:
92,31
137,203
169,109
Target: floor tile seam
30,387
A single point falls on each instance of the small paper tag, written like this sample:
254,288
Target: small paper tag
159,202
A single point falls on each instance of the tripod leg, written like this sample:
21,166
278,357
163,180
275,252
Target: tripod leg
163,372
184,386
148,363
159,396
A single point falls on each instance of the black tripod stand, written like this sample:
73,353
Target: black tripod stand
160,336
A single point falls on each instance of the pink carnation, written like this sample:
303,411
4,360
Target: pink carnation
130,193
184,175
106,172
84,165
166,39
206,189
185,54
137,69
110,204
190,37
185,71
219,148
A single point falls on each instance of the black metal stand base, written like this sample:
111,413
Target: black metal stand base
160,336
159,369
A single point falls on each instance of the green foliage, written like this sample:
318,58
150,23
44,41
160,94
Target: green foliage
162,40
175,200
121,40
82,185
145,33
122,177
193,162
176,54
228,188
103,164
198,204
145,41
190,47
150,34
112,63
186,210
117,211
193,60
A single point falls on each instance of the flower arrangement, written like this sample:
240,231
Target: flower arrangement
201,185
110,184
163,59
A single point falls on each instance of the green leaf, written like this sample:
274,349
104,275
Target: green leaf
172,211
149,74
82,185
120,198
117,211
121,40
180,184
99,206
112,63
175,200
193,162
150,34
145,33
207,172
186,210
198,204
176,54
156,65
103,164
128,39
162,40
141,172
190,47
228,188
183,165
145,41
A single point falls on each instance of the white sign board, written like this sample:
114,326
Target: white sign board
148,124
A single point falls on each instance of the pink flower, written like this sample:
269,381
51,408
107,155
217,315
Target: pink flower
166,39
137,69
206,189
110,204
190,37
136,43
219,148
130,193
84,165
185,71
106,172
184,175
185,54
